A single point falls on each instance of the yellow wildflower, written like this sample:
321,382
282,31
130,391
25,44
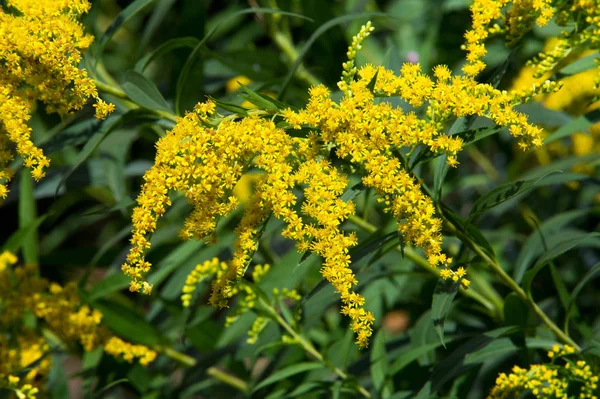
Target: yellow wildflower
40,50
23,294
549,380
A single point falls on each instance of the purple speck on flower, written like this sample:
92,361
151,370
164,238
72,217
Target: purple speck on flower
412,57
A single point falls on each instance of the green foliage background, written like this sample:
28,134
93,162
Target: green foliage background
76,222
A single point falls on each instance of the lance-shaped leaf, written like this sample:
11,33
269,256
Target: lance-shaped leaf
502,194
143,92
443,295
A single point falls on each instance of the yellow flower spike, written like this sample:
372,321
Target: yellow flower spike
548,380
349,68
24,294
103,109
44,46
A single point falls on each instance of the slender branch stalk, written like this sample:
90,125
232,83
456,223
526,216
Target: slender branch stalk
491,304
308,346
286,45
182,358
512,284
228,379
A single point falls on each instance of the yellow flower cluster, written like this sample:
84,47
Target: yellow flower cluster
324,187
22,294
520,16
349,67
22,391
206,163
367,134
549,381
575,98
116,347
204,158
215,268
40,49
26,352
484,12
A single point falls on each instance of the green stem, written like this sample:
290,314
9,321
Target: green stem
112,90
491,304
27,217
182,358
228,379
512,284
308,346
483,163
286,45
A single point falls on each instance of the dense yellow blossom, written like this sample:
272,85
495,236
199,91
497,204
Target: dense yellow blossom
116,347
24,294
21,390
515,18
575,97
367,133
40,49
247,301
205,164
205,156
549,381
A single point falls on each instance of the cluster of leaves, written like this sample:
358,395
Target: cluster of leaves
529,240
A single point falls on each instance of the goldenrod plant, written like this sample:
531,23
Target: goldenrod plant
299,200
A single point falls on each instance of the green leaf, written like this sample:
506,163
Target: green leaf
472,232
443,295
288,372
261,101
379,361
580,124
571,305
156,20
316,34
565,246
304,388
99,393
130,11
422,334
407,357
16,240
537,113
113,283
533,245
353,192
515,311
163,49
371,85
127,323
27,216
108,126
457,363
568,243
231,107
496,348
189,63
581,65
143,92
501,194
441,166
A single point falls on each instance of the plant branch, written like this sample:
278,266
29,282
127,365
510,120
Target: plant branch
512,284
308,346
491,304
228,379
